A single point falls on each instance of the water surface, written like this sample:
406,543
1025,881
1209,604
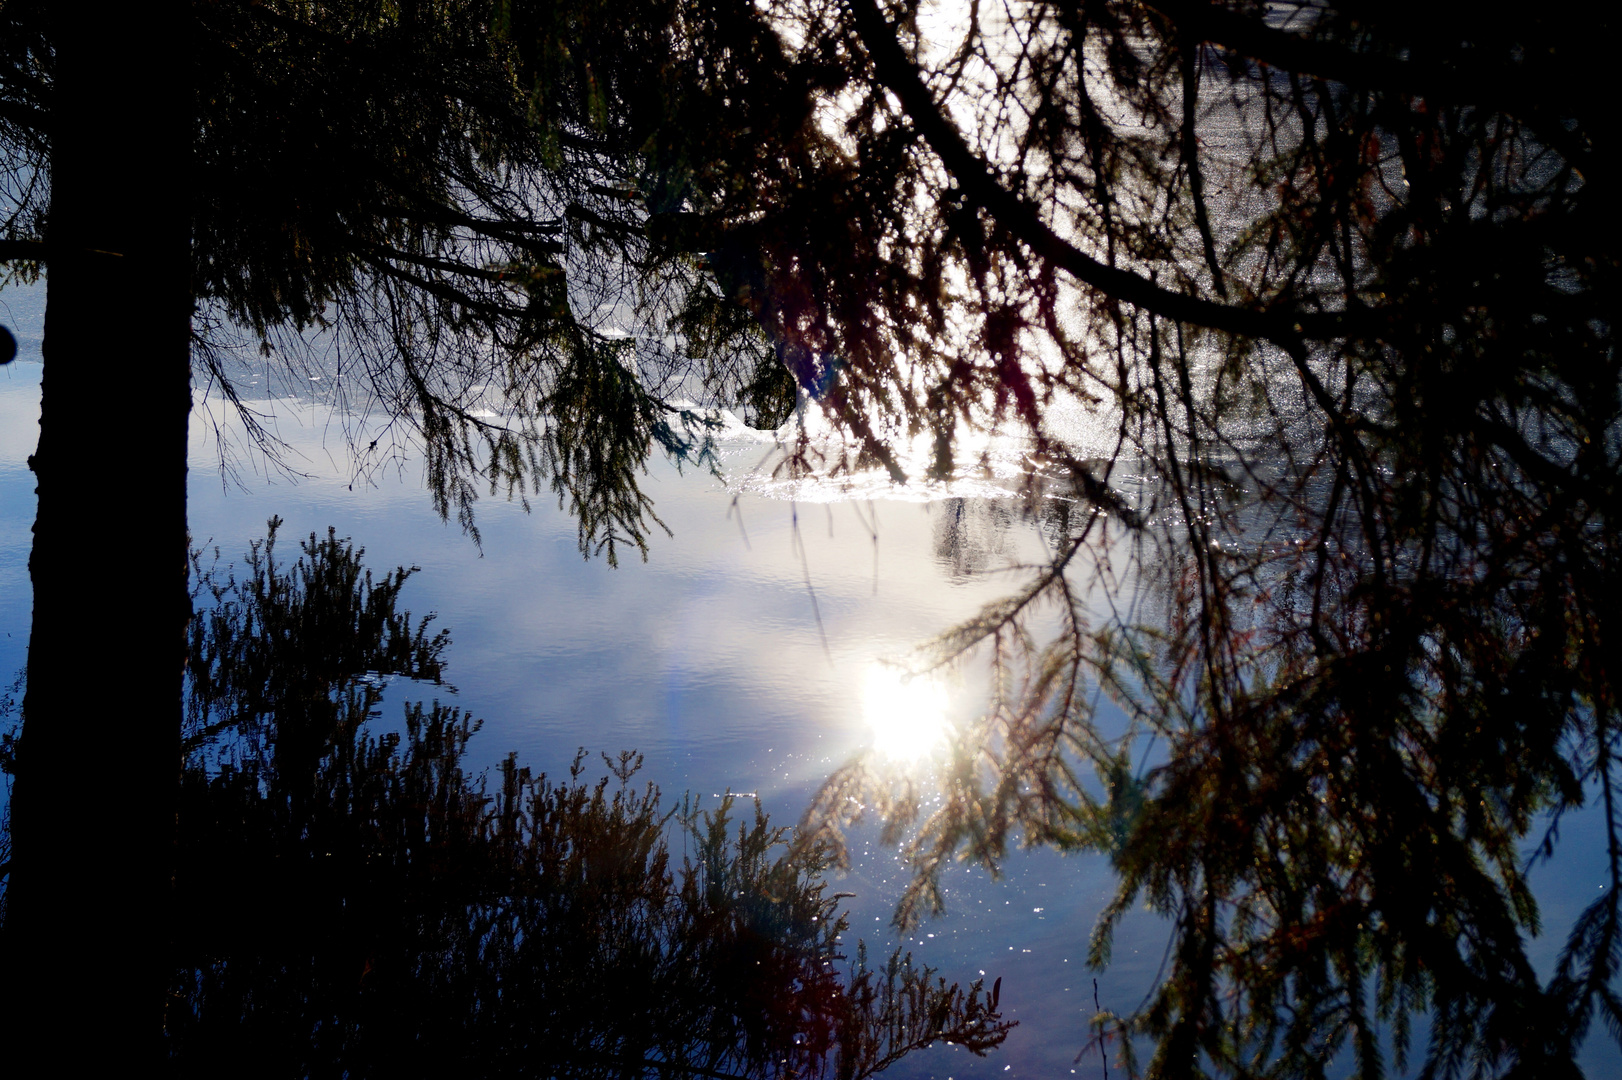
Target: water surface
743,656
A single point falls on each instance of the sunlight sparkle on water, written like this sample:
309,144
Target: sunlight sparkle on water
907,712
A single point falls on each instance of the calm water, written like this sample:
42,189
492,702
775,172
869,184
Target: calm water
709,658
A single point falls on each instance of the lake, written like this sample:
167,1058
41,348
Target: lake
742,656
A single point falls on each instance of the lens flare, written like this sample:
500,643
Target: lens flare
906,712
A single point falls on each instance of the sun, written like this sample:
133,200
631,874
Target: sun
906,712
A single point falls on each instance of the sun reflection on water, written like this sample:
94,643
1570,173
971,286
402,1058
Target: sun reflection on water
906,712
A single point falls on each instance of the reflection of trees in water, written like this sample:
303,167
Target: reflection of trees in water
971,535
353,902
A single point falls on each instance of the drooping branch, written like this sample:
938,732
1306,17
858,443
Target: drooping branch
898,74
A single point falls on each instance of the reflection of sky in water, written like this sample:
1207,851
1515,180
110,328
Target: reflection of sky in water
906,713
708,658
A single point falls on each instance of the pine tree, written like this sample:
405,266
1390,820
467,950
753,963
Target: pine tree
418,182
1336,282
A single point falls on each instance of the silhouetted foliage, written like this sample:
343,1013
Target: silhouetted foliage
10,721
1306,308
351,901
450,201
1309,308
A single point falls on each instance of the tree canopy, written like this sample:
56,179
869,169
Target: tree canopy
1305,311
454,198
1341,278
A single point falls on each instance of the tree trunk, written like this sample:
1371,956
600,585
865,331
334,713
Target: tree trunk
93,807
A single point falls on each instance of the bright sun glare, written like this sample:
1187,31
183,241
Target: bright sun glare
907,713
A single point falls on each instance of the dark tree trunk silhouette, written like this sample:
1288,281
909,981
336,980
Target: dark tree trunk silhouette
87,915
